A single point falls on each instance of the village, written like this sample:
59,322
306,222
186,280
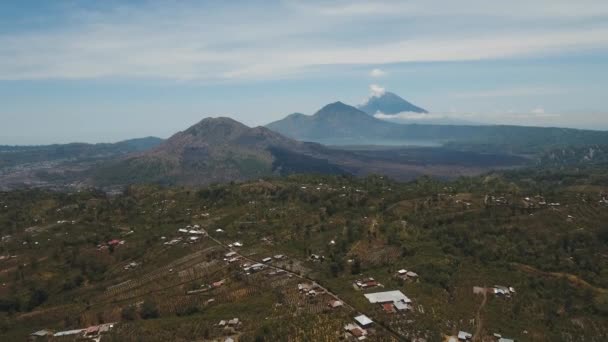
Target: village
355,277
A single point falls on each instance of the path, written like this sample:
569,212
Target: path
333,295
478,319
573,279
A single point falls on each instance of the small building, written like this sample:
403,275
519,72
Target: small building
502,339
356,331
234,322
464,336
68,332
335,304
230,254
363,321
279,257
41,333
266,260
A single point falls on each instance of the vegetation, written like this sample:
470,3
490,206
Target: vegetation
542,232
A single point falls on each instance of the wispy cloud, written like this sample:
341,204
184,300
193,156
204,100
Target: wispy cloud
376,90
377,73
203,41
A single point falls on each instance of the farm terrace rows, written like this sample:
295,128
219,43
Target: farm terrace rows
308,258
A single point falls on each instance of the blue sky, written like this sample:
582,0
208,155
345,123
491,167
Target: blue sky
98,71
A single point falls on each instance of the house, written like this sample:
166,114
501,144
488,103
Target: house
68,332
230,255
219,230
115,242
315,257
503,290
42,333
237,244
363,321
266,260
222,323
402,272
387,297
367,283
279,257
356,331
184,231
229,339
218,283
91,331
464,336
335,304
502,339
234,322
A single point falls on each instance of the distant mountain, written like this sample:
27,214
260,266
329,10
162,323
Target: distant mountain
334,122
340,124
216,150
389,103
11,156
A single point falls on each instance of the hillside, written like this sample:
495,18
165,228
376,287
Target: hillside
154,260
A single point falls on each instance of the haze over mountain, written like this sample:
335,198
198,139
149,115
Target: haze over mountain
341,124
388,103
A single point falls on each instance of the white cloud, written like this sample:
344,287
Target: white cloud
409,116
377,73
376,90
206,42
538,111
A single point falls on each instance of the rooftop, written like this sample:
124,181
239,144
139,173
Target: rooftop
386,297
363,320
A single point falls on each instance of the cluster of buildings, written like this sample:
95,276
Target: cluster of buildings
112,243
464,336
359,329
407,275
93,333
366,283
230,325
310,289
503,290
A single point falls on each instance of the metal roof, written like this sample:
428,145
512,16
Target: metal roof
363,320
388,296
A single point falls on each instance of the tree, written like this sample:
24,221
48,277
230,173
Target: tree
128,313
356,267
149,310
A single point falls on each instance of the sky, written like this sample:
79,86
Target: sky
103,71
